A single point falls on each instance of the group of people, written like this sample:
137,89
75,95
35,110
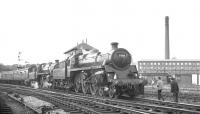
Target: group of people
174,89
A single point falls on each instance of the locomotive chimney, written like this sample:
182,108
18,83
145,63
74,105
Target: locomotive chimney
114,45
57,61
167,55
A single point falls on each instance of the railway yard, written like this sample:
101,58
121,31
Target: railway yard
47,65
73,103
93,84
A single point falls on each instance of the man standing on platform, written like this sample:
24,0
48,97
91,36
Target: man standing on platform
160,87
174,89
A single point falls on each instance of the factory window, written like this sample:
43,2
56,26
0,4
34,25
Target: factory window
166,63
177,63
185,63
199,79
143,63
194,79
170,63
174,63
189,63
151,63
155,63
158,63
181,63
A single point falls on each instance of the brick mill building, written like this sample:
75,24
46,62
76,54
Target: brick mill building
187,72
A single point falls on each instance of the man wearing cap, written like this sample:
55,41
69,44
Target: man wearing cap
160,87
174,89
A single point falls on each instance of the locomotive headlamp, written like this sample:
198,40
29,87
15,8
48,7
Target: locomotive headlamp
115,77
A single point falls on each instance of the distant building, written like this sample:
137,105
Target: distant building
185,71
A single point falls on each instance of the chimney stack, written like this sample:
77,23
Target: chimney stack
57,61
114,45
167,50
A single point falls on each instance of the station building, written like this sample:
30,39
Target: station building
186,72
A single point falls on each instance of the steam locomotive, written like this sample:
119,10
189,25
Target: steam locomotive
86,70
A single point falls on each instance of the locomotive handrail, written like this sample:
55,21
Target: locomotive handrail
87,68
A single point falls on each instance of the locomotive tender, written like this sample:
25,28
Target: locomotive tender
86,70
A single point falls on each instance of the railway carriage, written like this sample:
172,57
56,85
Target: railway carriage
6,76
14,77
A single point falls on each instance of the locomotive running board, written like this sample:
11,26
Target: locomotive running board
86,68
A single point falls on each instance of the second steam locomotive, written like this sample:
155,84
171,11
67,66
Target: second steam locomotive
86,70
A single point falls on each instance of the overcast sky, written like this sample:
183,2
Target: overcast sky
44,29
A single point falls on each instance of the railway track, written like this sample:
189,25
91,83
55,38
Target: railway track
4,108
144,105
183,97
119,106
187,95
74,105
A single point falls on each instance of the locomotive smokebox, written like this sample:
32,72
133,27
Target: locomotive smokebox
114,45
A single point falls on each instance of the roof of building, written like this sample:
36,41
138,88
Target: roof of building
155,60
83,45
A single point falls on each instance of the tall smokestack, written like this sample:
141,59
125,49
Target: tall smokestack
167,56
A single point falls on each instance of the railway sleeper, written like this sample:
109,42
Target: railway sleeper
4,109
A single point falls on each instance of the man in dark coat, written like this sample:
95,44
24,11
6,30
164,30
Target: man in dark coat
174,89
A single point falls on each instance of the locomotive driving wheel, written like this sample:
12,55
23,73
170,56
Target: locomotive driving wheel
93,85
80,83
101,91
77,85
85,87
112,92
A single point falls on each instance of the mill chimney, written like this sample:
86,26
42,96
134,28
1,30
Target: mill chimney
167,50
